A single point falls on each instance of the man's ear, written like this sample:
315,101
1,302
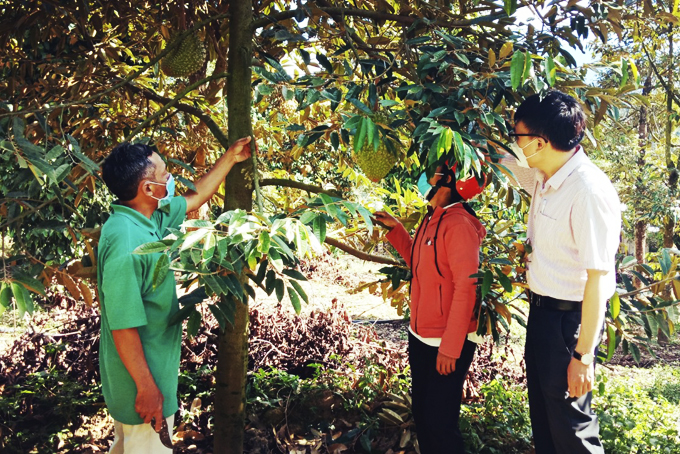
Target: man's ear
144,187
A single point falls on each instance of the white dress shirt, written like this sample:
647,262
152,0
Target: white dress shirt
574,225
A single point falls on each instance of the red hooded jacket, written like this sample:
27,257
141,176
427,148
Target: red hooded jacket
442,256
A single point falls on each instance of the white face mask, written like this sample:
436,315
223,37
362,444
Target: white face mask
522,159
170,191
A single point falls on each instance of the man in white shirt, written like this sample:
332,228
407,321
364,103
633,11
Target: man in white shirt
573,229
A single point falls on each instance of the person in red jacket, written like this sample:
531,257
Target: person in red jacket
442,255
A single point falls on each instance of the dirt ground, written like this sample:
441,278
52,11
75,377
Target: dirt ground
330,280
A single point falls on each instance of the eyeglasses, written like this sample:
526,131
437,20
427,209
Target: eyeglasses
513,136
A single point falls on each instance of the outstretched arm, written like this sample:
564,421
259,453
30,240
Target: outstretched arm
207,185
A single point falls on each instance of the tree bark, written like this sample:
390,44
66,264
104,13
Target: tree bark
232,360
669,223
640,230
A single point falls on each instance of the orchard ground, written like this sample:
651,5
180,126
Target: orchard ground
639,404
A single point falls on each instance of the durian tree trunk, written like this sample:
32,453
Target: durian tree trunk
232,358
669,222
640,226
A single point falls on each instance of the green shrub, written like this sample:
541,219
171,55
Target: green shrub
634,419
499,423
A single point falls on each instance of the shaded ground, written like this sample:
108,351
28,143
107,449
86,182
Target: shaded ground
64,342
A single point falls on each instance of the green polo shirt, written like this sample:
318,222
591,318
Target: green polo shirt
129,301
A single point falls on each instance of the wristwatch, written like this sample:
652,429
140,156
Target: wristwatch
586,358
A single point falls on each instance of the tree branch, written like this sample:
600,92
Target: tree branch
128,79
297,185
668,89
271,19
195,111
360,254
173,102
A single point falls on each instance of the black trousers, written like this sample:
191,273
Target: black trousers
437,398
560,424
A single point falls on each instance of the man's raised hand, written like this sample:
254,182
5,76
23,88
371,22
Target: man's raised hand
240,150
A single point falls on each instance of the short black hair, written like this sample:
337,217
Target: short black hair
557,117
125,167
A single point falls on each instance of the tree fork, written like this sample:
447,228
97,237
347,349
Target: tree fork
232,360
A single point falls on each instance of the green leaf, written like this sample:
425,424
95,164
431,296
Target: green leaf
504,281
259,277
87,163
20,293
193,298
308,216
181,314
160,272
234,285
635,351
527,66
270,282
5,296
294,299
228,308
215,284
301,292
183,165
615,306
510,6
284,247
275,259
219,315
150,248
550,70
360,134
611,342
486,282
665,261
517,69
209,247
319,228
461,148
371,130
18,126
361,106
279,288
295,274
624,73
28,282
198,224
193,238
188,183
366,215
194,323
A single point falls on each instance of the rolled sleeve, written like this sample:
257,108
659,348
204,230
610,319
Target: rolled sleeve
525,178
596,226
121,287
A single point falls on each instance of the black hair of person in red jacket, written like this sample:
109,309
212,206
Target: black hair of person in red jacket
443,255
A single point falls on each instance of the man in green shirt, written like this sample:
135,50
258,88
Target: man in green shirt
140,351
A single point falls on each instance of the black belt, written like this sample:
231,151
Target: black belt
554,304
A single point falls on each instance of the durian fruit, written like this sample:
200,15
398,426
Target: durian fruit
186,58
377,163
